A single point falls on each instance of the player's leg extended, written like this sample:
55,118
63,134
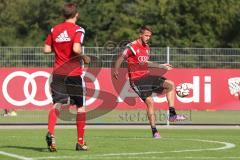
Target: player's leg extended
151,116
170,94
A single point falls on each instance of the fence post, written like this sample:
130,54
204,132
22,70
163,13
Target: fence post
168,54
168,61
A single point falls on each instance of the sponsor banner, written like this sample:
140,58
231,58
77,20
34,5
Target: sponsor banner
211,89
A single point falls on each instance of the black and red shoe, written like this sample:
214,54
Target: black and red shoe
50,139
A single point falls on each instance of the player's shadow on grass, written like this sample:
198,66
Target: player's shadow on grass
38,149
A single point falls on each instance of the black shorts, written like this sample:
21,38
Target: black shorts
147,85
67,89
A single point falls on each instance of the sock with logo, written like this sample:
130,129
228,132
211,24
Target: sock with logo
80,121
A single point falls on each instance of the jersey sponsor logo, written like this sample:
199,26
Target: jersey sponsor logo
63,37
142,59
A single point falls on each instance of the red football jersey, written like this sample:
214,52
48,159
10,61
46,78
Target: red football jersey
61,39
137,56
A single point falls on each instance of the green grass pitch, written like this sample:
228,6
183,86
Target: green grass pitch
122,144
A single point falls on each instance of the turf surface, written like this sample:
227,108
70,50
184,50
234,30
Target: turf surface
122,144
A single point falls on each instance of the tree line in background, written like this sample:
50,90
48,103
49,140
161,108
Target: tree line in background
176,23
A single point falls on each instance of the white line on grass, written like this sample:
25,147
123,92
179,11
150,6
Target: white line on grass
14,156
226,146
130,155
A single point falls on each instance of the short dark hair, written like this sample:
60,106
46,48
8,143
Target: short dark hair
69,10
144,28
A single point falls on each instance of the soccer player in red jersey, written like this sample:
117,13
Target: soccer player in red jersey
144,84
67,86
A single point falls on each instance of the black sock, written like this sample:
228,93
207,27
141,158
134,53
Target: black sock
172,111
154,130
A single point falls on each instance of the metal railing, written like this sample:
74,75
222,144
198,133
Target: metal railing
105,57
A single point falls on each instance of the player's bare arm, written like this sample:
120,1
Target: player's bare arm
77,48
117,66
47,49
162,66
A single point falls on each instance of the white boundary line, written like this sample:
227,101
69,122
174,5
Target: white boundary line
226,146
14,156
136,155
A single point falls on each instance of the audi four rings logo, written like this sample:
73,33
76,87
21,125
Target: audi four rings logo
143,59
31,97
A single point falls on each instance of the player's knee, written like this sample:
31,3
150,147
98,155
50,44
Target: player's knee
81,109
169,84
57,105
149,101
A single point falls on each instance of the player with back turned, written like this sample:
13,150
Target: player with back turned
67,86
